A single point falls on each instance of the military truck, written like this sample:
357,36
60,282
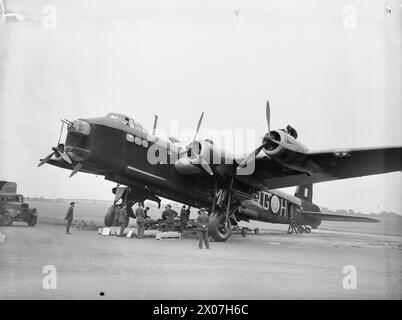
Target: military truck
12,206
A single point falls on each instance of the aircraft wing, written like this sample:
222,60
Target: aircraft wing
336,217
321,166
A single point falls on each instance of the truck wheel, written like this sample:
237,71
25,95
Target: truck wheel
7,219
32,221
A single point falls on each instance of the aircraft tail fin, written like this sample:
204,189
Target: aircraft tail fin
305,192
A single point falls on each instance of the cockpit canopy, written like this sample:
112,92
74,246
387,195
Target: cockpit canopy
127,121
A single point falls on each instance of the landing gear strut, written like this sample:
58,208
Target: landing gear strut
220,227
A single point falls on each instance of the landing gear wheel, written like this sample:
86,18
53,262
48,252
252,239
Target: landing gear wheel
32,221
243,232
308,230
256,230
7,219
109,217
220,228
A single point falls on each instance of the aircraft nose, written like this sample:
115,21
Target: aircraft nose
78,140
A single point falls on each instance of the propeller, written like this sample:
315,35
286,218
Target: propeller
267,139
62,153
188,146
195,151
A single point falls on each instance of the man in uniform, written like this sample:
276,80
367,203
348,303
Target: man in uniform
140,214
183,219
122,218
202,228
292,131
69,217
169,215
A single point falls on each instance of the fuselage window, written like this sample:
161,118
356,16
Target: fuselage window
138,141
145,143
130,137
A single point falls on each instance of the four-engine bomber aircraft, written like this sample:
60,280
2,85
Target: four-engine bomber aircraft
201,175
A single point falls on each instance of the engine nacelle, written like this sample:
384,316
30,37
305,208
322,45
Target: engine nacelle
289,151
201,152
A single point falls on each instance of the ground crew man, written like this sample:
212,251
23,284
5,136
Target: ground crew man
140,214
202,228
184,217
146,213
69,217
169,215
292,131
122,218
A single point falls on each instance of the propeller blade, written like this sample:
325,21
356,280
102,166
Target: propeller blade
61,132
76,169
206,167
198,126
65,157
268,115
46,159
251,156
155,123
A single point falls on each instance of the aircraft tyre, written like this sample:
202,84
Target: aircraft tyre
109,217
219,228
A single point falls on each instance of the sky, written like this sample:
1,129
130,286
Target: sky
331,69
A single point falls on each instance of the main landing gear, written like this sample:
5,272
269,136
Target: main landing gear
222,217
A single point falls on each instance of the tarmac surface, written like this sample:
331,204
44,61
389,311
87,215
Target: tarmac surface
270,265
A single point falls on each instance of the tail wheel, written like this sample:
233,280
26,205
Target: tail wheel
109,217
32,221
219,228
7,219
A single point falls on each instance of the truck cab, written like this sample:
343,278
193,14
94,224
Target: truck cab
13,208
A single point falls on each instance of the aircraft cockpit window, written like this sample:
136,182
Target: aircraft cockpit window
113,117
131,123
